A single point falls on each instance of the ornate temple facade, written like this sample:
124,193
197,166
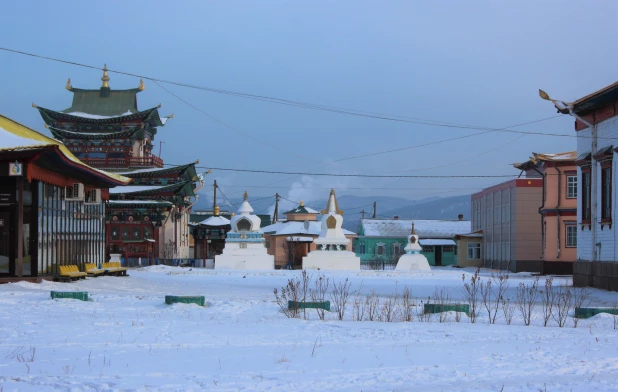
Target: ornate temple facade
148,218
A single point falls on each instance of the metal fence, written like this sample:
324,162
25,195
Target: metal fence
378,265
144,262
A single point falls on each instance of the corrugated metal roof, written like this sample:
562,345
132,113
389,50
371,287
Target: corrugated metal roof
425,228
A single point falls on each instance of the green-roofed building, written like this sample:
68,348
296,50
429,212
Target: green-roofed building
149,218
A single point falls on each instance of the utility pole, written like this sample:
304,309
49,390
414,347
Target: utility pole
276,212
375,208
214,198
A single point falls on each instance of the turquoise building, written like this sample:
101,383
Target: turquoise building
382,240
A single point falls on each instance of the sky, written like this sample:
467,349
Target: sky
473,63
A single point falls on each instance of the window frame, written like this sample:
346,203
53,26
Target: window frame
586,195
570,227
474,249
606,192
571,186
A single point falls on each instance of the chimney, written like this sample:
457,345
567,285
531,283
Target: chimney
460,216
396,217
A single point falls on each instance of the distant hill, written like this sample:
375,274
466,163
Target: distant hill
427,208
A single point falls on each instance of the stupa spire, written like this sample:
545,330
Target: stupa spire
245,196
332,207
105,77
413,232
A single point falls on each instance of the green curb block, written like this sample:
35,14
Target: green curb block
174,299
81,295
437,308
585,313
292,305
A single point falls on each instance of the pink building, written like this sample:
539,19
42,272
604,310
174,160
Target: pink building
558,211
529,224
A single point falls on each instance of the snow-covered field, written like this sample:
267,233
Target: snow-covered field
125,338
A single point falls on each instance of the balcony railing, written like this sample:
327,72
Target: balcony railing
120,163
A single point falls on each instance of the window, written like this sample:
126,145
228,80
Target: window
571,187
571,236
115,233
126,233
449,249
427,249
606,195
137,233
396,248
267,244
474,251
380,249
586,196
147,232
362,248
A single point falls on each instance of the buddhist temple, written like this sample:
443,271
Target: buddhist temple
147,219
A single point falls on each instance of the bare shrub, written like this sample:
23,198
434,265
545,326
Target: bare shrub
420,311
508,309
388,310
407,305
548,300
500,284
563,305
341,295
358,307
305,283
318,293
471,293
289,292
372,305
581,299
441,296
527,297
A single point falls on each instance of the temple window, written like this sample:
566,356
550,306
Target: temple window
571,236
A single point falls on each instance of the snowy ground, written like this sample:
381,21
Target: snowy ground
125,338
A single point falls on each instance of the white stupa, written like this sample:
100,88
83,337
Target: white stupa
331,244
244,244
413,260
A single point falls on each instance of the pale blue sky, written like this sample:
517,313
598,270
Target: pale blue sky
466,62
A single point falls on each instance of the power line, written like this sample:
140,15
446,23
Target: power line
225,197
350,175
282,101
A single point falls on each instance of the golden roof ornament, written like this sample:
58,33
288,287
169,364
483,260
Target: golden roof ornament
413,232
141,86
302,204
68,86
245,196
216,211
105,77
335,207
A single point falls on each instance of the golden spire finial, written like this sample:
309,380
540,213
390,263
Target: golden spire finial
413,232
302,203
141,86
216,211
68,86
335,208
245,196
105,77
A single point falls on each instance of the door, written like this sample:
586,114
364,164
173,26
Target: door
438,255
7,257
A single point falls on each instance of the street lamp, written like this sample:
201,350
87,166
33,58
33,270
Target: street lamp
568,107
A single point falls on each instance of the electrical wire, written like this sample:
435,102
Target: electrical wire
225,197
306,105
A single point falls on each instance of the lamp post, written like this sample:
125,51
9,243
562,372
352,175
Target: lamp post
568,106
